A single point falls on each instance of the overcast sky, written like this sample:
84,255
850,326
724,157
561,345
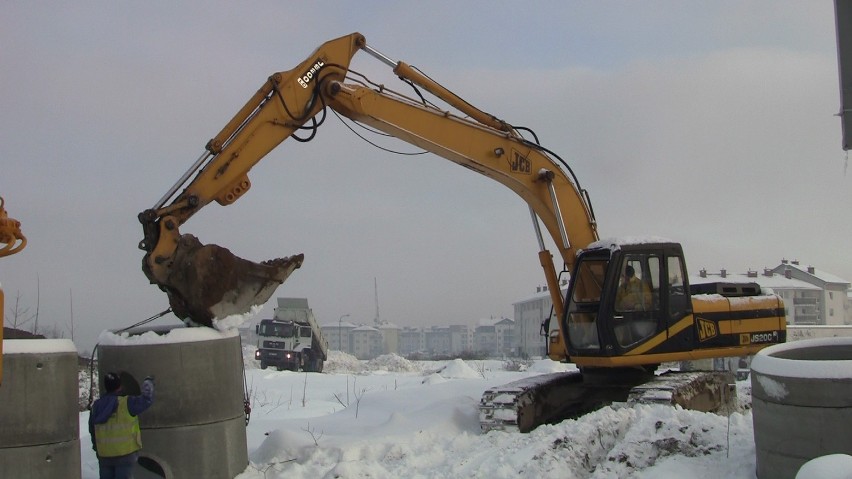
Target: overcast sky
712,124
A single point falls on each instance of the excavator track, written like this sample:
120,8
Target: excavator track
523,405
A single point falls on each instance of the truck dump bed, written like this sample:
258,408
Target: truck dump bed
297,310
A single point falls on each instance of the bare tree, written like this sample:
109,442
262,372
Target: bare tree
313,433
359,394
38,298
71,307
305,392
19,314
53,332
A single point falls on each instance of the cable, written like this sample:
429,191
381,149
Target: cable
246,400
145,321
92,359
374,144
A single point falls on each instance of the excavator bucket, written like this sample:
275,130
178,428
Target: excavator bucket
207,282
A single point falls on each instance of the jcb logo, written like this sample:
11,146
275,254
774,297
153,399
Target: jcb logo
519,163
745,339
706,329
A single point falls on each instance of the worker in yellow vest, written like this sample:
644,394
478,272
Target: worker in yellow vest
114,427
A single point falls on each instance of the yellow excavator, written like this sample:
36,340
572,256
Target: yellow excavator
12,241
629,306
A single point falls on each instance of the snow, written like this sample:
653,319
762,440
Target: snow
832,466
178,334
773,388
41,346
771,360
391,417
236,320
615,242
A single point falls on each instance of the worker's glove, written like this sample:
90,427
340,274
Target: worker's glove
148,386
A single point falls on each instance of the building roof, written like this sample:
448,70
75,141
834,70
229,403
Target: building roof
494,321
365,329
541,294
343,325
815,272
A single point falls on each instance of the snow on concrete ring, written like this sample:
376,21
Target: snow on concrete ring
813,372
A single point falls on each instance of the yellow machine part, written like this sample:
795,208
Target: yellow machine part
11,241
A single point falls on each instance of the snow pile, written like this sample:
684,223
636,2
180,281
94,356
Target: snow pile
434,378
340,362
234,321
391,363
458,369
833,466
546,366
87,385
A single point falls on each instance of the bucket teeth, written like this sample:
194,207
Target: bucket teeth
207,282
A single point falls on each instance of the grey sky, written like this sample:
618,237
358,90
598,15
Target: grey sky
708,123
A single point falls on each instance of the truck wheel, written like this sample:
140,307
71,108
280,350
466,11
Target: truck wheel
308,367
319,365
263,365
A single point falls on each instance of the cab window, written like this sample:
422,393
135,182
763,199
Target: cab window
589,282
638,284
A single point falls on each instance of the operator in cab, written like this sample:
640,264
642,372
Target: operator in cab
633,293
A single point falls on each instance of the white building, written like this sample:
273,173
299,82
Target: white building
390,338
530,314
366,342
339,335
832,302
495,337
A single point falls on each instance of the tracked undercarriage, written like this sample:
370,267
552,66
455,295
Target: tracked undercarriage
550,398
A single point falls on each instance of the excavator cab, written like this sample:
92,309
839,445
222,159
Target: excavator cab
622,297
631,305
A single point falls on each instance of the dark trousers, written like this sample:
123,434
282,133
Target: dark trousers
121,471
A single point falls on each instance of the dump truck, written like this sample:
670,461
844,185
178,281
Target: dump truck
292,340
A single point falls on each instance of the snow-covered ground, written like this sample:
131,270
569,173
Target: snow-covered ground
391,417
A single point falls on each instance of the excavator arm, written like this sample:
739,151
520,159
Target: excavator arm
205,282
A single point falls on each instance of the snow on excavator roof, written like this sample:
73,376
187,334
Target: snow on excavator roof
627,240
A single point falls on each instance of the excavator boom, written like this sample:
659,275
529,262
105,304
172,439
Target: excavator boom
204,282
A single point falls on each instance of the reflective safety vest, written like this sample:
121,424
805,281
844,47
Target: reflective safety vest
120,435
